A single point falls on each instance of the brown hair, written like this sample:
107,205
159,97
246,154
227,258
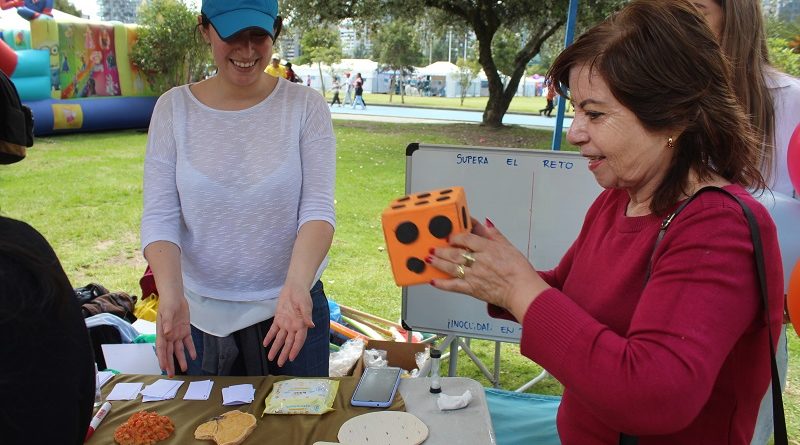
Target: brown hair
742,40
662,62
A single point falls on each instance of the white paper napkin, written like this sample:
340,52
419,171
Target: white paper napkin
446,402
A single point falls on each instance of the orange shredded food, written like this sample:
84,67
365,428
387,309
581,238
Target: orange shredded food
144,428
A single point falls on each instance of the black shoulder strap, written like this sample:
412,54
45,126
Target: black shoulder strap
778,416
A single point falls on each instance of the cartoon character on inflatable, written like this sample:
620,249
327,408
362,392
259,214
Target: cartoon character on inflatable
29,9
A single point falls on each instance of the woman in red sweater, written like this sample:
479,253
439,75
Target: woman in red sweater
669,345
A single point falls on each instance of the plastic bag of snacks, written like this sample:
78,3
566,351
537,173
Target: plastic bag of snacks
301,396
342,360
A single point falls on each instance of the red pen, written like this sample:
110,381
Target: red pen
101,414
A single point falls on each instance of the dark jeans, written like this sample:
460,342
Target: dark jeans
312,361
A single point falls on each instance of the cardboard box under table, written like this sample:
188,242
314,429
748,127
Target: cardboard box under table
400,354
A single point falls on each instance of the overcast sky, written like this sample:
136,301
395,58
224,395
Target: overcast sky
90,7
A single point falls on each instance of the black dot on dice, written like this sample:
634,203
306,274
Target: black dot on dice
440,226
407,232
415,265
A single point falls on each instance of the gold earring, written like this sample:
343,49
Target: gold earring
670,145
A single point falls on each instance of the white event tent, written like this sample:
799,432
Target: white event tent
367,68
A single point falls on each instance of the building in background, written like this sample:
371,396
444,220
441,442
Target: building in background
119,10
355,40
784,10
288,46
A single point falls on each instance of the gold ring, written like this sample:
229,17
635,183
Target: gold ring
470,259
460,271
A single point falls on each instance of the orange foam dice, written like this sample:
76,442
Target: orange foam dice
413,224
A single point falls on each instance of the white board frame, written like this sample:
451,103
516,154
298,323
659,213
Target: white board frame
537,198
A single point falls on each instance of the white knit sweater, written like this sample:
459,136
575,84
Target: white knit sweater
232,188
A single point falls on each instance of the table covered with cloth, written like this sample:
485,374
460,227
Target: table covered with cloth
272,428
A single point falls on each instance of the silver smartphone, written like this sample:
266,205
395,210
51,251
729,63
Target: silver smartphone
376,387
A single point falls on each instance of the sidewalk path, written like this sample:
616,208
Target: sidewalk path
433,115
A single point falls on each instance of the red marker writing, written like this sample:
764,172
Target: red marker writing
101,414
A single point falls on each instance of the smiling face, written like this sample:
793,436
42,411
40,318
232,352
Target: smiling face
712,11
241,59
621,152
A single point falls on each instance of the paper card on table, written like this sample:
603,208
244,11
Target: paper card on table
200,390
162,389
238,394
144,326
125,391
103,377
133,358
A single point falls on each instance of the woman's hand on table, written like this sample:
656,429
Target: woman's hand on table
290,324
173,333
493,269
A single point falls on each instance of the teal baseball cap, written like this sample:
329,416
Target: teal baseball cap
229,17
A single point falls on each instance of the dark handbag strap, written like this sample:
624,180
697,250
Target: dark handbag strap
778,417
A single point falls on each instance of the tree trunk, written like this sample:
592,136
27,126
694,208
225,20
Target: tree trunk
500,95
321,79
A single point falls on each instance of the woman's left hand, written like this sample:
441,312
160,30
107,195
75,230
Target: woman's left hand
487,266
290,324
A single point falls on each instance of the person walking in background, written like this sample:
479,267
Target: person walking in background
772,101
358,85
247,301
275,69
669,318
348,89
308,80
336,88
290,74
551,96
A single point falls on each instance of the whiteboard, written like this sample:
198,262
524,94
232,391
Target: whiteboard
537,198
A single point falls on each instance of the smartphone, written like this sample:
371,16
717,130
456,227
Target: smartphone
376,387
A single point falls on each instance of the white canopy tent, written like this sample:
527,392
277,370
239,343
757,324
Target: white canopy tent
443,78
366,67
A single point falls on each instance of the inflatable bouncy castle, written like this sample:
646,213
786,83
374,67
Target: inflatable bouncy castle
73,73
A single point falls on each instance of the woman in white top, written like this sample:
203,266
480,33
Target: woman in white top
772,99
238,209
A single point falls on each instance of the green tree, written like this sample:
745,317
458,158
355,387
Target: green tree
68,7
783,57
320,45
505,46
396,48
468,70
537,20
169,48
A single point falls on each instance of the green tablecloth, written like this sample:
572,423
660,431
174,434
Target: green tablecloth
188,414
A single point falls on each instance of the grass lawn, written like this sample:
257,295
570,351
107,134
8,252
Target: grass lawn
84,193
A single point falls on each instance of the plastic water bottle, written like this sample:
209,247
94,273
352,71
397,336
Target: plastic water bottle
98,396
436,386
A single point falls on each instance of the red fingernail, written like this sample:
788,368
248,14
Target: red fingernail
428,259
489,223
433,282
431,250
